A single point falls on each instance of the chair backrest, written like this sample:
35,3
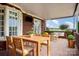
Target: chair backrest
9,40
18,43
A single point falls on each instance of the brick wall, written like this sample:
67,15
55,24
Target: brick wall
42,25
2,45
27,26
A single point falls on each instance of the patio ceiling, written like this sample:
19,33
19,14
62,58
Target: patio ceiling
48,10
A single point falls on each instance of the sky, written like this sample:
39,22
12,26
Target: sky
57,22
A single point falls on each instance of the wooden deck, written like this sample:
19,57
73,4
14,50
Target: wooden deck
58,48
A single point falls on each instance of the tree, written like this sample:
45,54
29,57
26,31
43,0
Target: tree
64,26
47,29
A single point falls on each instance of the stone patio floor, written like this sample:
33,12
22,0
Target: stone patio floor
58,48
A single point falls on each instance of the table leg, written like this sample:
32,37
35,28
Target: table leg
48,47
35,52
38,49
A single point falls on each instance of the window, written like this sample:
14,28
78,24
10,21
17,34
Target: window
12,23
1,25
12,31
1,10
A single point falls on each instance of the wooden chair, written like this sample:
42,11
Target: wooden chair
10,46
45,42
55,36
21,48
26,42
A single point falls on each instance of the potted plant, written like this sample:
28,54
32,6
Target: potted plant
71,41
68,32
45,34
31,33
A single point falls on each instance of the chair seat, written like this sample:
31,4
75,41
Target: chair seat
10,46
26,50
55,35
45,42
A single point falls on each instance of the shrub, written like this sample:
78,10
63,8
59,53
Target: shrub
30,32
68,32
71,37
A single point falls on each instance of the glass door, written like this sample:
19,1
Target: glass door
37,26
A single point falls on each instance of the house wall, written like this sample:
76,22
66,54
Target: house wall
42,25
6,21
2,45
27,26
77,40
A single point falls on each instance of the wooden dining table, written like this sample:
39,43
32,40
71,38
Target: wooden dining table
39,40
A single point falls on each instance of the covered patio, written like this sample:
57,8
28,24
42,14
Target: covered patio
32,17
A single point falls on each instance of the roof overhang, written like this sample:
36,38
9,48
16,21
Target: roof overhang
48,10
